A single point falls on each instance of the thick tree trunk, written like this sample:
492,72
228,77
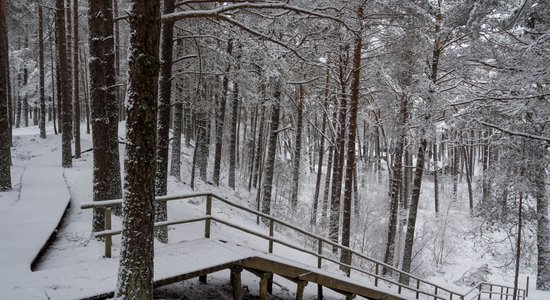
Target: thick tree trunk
104,108
42,124
411,223
163,120
76,86
352,136
5,151
220,122
135,276
543,224
396,181
65,89
271,149
297,149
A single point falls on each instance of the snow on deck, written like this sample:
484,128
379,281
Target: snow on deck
98,277
26,226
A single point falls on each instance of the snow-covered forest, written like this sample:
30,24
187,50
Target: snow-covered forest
387,149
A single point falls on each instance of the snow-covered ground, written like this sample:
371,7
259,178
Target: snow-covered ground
73,243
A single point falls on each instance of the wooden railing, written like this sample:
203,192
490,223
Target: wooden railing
418,287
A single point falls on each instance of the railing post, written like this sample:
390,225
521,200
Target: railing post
417,288
527,288
491,291
271,223
108,239
435,293
501,291
479,293
319,264
507,292
376,267
208,214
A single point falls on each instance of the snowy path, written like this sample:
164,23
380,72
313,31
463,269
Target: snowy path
26,226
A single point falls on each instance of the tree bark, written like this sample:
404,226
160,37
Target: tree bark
175,163
220,122
352,137
543,224
297,148
66,155
76,86
411,222
163,120
5,150
42,124
396,181
135,276
234,135
313,221
271,149
104,108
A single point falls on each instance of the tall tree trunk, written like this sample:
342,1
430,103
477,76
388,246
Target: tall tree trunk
66,155
518,246
69,40
436,178
271,149
84,77
543,224
5,150
330,165
11,109
25,102
163,120
396,181
104,108
234,135
352,136
339,154
297,148
135,276
76,87
411,223
321,154
119,90
220,122
42,125
175,168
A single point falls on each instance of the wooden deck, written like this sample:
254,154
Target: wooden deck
97,279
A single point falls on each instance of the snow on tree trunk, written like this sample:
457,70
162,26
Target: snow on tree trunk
220,122
76,90
42,124
543,223
175,162
5,151
135,276
297,148
395,185
271,149
352,136
65,89
104,108
163,119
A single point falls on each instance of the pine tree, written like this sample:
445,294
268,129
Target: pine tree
135,277
5,151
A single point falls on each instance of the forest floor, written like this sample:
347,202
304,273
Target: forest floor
460,255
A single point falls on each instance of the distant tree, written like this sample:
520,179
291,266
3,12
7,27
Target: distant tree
76,87
5,151
135,276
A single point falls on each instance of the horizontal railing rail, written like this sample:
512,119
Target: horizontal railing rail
439,292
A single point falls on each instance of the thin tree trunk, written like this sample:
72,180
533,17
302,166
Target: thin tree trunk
76,87
411,223
297,149
518,246
234,135
86,90
396,181
135,277
163,120
436,178
313,221
69,40
54,87
5,150
42,125
352,136
175,163
66,153
272,147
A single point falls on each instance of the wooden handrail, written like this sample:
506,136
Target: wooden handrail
107,204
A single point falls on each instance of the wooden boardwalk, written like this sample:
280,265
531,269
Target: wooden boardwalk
96,279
